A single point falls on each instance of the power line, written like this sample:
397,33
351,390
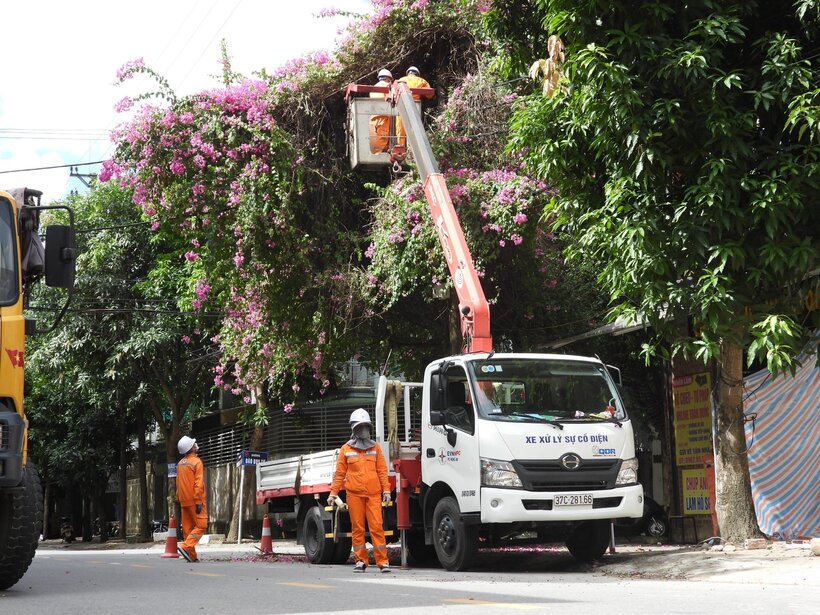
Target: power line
56,166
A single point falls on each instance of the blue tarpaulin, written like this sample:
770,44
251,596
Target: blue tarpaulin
784,448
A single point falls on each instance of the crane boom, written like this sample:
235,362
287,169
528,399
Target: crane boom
474,311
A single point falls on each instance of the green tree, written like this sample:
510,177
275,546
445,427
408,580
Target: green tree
684,146
129,350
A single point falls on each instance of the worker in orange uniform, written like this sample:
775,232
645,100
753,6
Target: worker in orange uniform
381,126
362,467
413,80
191,497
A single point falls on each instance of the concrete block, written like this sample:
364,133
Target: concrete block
757,543
815,546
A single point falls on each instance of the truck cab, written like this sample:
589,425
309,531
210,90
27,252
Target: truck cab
524,443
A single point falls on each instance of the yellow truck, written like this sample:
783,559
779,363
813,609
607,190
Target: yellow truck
23,261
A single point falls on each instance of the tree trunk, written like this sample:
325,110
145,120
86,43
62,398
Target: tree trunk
735,508
46,508
144,527
123,508
454,320
255,444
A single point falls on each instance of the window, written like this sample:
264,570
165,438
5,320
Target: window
8,255
537,390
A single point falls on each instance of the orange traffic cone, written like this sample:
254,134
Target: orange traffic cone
266,547
171,540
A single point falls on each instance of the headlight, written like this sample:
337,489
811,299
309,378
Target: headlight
498,474
628,474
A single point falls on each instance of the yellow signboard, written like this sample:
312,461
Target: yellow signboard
695,492
693,418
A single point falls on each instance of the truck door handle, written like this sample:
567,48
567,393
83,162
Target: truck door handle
431,453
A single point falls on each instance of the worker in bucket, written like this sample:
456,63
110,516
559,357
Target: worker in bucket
413,79
191,497
362,468
381,126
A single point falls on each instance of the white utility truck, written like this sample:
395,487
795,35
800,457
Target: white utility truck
489,448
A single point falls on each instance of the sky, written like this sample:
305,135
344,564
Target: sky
58,72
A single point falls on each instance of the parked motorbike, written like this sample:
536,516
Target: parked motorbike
66,529
112,528
654,522
159,525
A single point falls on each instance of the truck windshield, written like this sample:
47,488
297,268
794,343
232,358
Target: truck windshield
542,390
8,261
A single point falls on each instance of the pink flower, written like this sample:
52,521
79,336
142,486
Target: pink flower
177,168
520,218
127,70
186,339
288,408
191,256
123,105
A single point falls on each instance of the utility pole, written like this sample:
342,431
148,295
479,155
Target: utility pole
83,177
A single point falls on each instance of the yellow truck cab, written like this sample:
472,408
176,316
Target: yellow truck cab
23,260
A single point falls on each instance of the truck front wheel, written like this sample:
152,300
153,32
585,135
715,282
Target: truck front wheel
456,544
319,550
589,540
21,514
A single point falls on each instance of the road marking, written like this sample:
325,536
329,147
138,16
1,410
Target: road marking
315,586
206,574
503,605
139,566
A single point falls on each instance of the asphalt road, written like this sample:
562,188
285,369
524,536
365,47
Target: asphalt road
138,581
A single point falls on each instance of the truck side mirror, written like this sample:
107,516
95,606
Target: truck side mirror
61,256
438,417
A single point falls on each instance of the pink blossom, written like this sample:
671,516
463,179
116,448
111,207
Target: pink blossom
127,70
520,218
191,256
186,339
516,239
288,408
177,168
124,104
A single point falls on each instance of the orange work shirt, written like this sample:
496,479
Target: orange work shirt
190,481
414,81
363,472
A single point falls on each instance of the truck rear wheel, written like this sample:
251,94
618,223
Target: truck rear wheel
319,550
456,544
589,540
21,514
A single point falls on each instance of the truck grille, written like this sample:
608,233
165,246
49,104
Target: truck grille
4,437
549,475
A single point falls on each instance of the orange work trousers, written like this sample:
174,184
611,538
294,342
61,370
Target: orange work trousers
379,133
369,507
194,527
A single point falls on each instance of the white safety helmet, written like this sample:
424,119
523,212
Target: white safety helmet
385,74
185,445
412,71
358,417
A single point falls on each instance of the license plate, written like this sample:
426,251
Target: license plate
573,499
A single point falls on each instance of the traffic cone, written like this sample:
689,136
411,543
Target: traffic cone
266,547
171,540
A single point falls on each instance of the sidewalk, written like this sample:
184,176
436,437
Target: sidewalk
781,563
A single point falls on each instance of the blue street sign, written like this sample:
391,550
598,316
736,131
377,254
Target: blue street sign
252,458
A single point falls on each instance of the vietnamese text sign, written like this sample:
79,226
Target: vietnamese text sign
252,458
693,418
695,492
